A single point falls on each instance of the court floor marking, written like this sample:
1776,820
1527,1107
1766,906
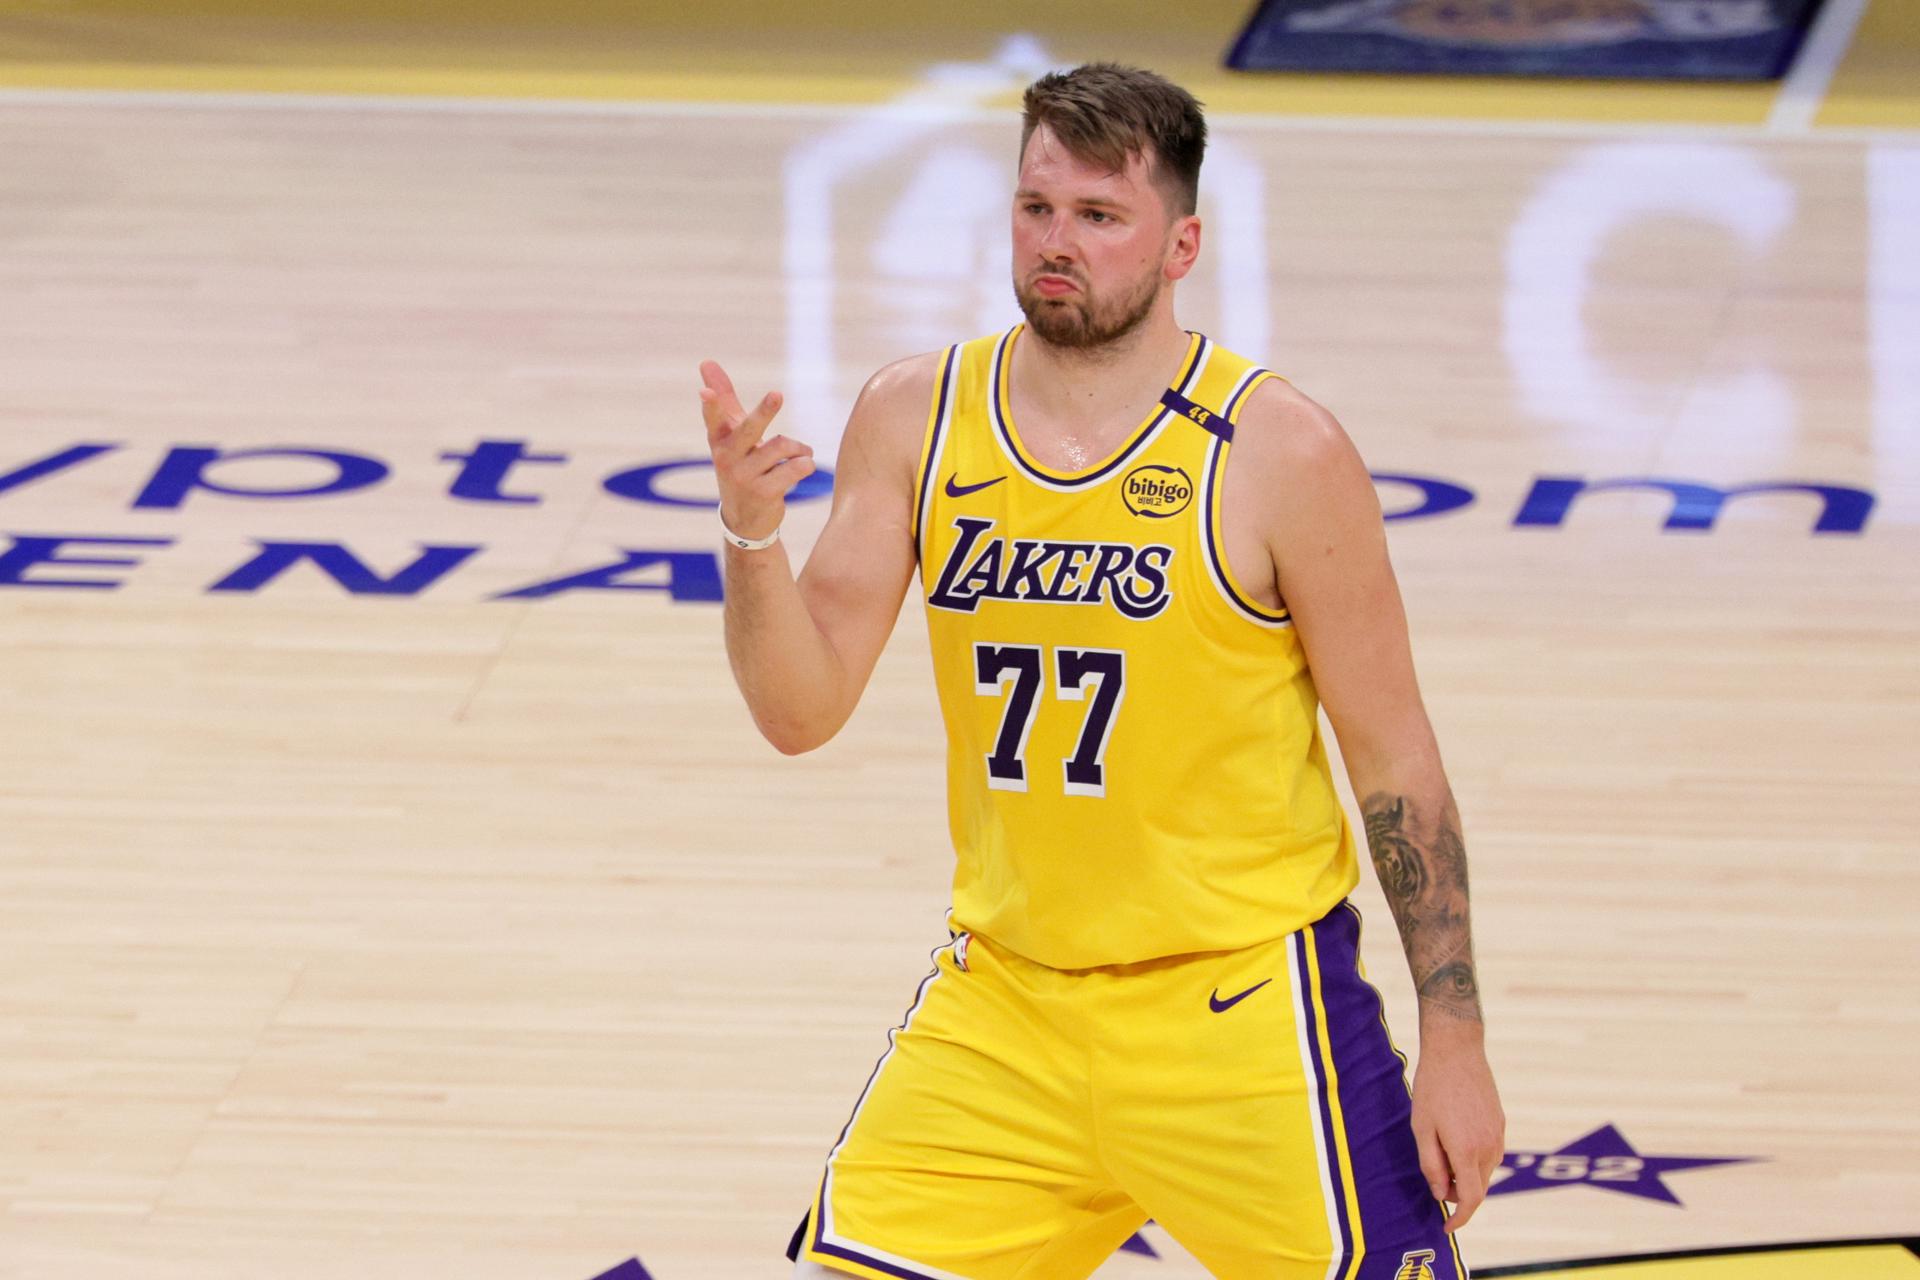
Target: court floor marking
425,104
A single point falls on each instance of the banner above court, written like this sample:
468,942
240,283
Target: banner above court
1637,39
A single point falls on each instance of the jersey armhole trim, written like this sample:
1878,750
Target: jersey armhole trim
1211,536
939,417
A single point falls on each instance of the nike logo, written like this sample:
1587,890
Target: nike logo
1221,1006
962,490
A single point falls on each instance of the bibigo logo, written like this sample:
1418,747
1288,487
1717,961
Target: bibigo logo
1156,492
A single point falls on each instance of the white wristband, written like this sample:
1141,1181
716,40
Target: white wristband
746,544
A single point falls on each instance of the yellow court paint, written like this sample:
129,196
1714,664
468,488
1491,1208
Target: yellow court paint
437,82
1871,1262
851,52
1877,84
1481,98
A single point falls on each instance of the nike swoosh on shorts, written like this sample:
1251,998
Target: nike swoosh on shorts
1221,1006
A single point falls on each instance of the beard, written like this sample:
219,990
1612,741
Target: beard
1085,321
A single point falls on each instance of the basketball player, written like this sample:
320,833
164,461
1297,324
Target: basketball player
1146,562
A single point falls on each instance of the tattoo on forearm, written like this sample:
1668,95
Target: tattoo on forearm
1422,865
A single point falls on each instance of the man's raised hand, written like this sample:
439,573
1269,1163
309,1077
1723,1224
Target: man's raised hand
755,475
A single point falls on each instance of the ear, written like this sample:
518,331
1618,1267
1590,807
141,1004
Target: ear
1183,246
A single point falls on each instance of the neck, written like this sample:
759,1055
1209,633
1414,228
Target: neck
1085,385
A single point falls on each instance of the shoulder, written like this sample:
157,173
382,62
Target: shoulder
1290,440
905,383
890,414
1300,472
1280,422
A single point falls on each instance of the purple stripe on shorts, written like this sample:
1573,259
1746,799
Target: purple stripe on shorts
850,1255
1323,1109
820,1243
1397,1212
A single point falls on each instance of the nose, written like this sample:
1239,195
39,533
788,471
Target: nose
1055,245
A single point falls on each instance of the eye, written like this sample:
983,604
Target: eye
1099,215
1034,206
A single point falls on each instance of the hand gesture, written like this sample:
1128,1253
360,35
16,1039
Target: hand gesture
755,475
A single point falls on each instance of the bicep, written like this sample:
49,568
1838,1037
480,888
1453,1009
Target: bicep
1330,552
857,574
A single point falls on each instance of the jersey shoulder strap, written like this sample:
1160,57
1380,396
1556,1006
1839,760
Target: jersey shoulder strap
1221,391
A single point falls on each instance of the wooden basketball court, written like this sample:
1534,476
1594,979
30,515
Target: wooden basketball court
392,883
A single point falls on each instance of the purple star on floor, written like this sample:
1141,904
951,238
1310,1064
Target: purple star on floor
628,1270
1602,1159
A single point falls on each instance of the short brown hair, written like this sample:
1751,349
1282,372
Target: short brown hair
1103,113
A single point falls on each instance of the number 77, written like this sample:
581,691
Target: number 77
995,664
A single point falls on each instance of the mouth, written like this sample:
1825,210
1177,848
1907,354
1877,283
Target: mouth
1054,286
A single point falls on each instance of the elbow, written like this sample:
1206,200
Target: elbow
795,726
1391,762
795,739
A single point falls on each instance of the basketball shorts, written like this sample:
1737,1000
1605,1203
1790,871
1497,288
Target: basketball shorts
1025,1121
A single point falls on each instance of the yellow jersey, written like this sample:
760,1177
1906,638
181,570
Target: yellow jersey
1134,760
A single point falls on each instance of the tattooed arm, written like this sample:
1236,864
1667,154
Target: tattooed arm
1422,866
1297,477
